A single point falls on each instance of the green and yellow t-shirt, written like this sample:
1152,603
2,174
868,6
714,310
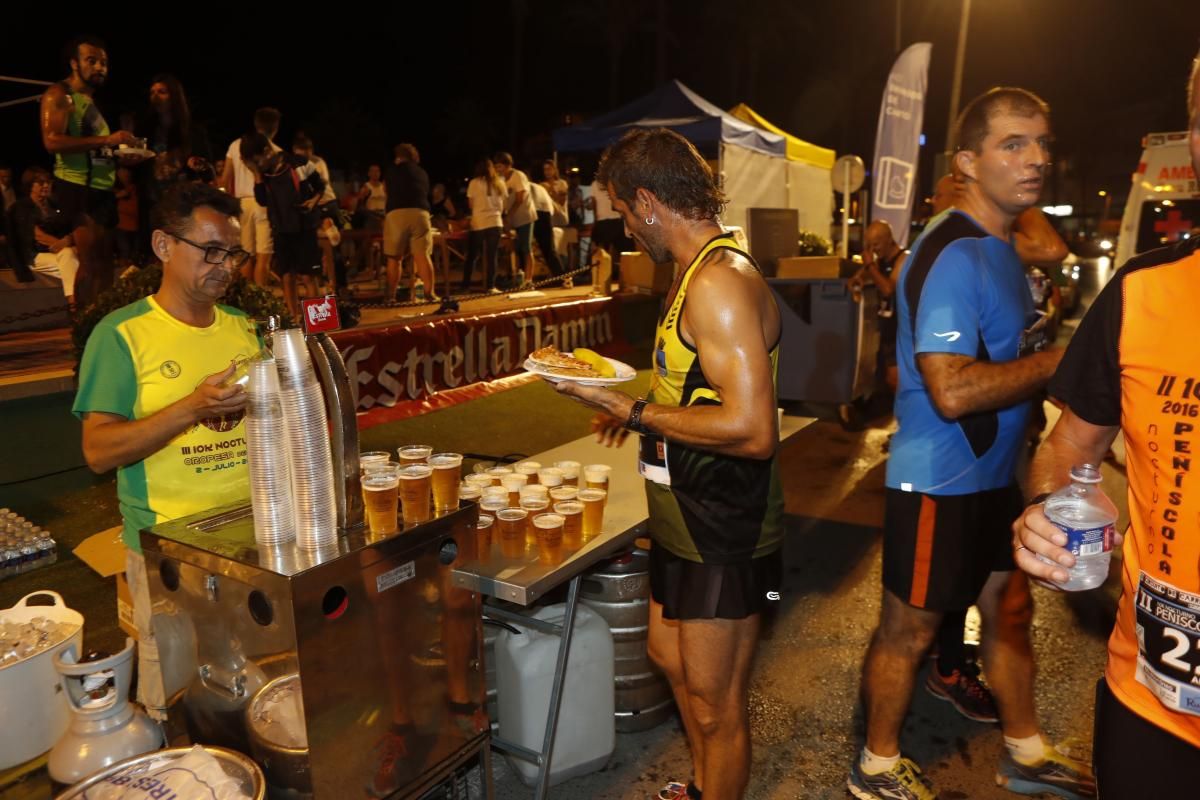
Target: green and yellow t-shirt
95,168
139,360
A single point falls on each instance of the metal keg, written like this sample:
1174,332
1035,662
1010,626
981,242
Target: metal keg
619,591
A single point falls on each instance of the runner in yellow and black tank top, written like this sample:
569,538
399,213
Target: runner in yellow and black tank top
717,509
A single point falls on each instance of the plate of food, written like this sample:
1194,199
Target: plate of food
127,151
582,366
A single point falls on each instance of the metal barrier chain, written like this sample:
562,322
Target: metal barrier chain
461,297
28,315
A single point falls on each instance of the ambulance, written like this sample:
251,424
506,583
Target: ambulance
1164,198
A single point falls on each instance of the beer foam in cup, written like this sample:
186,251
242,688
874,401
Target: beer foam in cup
597,473
550,476
529,468
535,489
415,471
376,481
548,521
513,482
374,456
494,503
467,491
478,479
485,521
559,493
495,491
570,469
445,460
414,452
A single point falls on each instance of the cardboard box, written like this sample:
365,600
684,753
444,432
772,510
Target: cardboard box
104,552
818,267
640,274
125,607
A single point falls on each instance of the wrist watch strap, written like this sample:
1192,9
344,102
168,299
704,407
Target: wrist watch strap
634,423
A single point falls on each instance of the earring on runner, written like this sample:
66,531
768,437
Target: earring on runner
649,220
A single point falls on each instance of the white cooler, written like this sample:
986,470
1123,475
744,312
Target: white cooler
31,698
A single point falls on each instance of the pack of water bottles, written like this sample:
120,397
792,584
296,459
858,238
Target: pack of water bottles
23,545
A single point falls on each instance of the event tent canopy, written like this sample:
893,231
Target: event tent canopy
797,148
675,106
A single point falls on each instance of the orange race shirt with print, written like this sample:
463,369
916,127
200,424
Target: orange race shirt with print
1135,362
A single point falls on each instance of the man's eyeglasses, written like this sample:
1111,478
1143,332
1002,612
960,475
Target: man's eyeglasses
218,255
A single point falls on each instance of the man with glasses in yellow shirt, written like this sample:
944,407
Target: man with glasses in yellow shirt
151,393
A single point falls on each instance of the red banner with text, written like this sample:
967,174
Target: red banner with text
402,370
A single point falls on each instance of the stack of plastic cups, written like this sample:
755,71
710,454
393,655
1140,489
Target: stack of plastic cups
306,428
270,475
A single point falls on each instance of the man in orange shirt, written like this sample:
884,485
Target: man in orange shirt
1133,366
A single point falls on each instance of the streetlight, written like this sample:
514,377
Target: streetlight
1107,203
956,88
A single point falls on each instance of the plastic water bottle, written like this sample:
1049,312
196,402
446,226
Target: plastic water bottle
419,290
48,549
9,556
1086,516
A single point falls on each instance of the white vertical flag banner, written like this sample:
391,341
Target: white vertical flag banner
898,140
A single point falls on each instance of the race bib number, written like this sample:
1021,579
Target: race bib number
1168,634
652,459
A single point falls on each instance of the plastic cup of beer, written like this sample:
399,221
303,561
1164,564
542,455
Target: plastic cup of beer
596,476
415,453
447,474
498,472
549,534
379,488
371,457
529,468
550,476
512,484
560,493
483,535
511,522
533,505
414,493
535,490
593,511
479,479
572,514
570,471
493,504
470,492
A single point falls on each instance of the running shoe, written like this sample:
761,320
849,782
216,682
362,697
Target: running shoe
965,691
1058,774
902,782
674,790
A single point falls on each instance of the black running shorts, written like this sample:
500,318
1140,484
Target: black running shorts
1134,758
693,590
938,550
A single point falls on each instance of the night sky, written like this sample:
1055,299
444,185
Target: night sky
462,80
